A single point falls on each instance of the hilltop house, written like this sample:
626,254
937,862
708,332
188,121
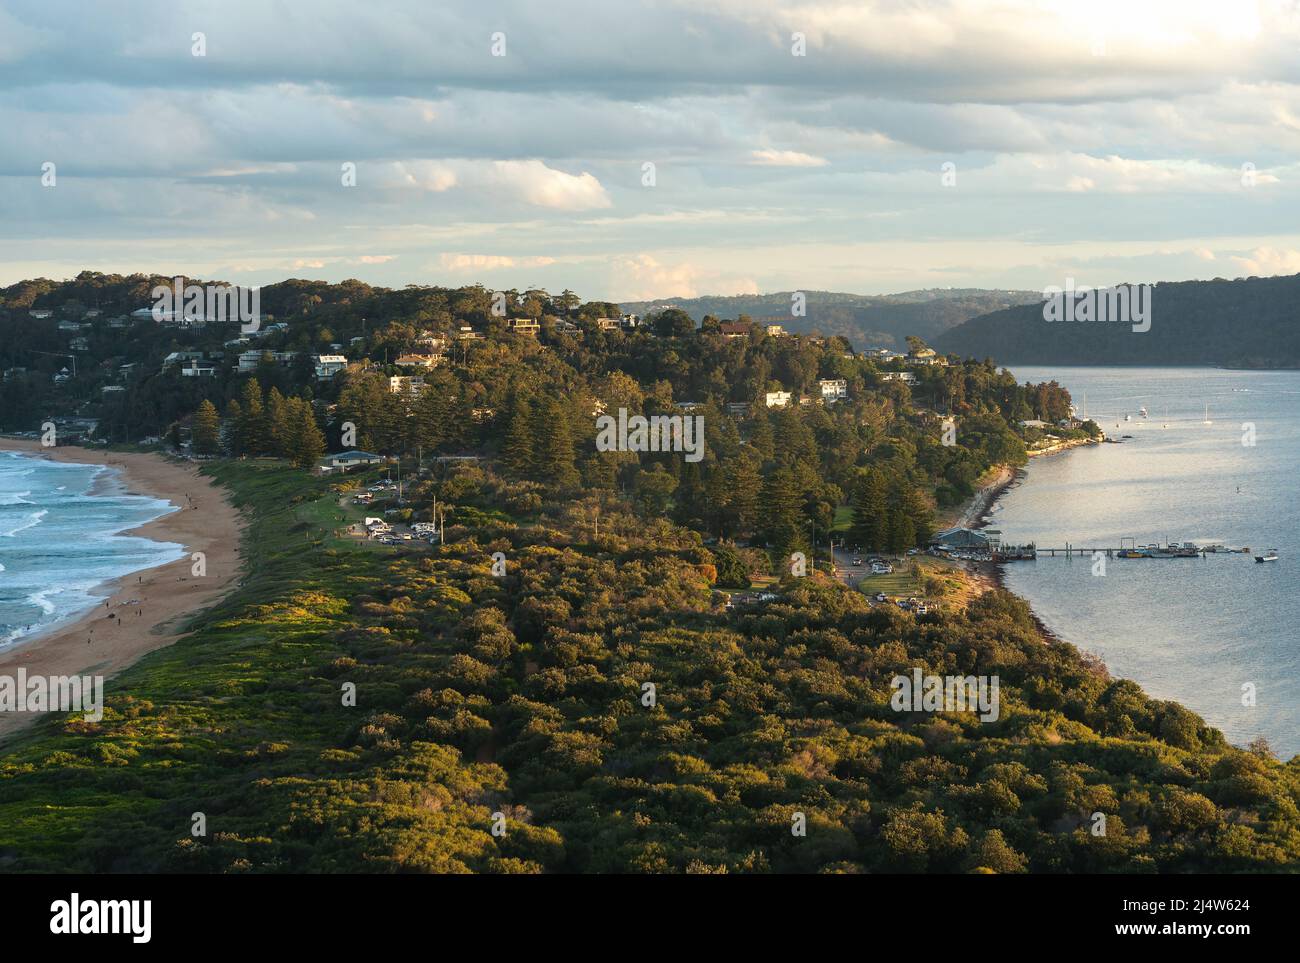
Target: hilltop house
904,376
328,365
833,389
418,360
343,460
405,384
735,329
198,369
249,360
777,399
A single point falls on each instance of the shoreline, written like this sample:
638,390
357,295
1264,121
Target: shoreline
976,515
111,637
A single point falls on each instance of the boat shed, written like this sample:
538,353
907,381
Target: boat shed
960,539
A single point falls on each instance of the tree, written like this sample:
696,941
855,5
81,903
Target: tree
234,416
281,423
731,568
654,490
870,526
517,448
902,533
673,322
553,456
252,433
206,429
780,521
306,442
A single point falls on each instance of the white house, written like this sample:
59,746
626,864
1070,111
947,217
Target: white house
328,365
778,399
904,376
405,384
833,389
198,369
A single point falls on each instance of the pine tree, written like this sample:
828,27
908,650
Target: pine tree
307,444
870,526
780,521
553,456
745,484
517,449
234,416
252,433
902,533
205,430
280,418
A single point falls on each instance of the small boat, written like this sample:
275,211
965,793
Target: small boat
1269,556
1128,417
1142,411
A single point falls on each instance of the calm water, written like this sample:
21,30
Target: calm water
1193,630
59,540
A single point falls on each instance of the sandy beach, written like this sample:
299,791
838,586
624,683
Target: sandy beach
164,596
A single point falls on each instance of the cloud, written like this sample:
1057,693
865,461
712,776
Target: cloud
544,187
490,262
786,158
1268,261
643,277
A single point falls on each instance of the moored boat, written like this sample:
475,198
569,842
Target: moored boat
1269,556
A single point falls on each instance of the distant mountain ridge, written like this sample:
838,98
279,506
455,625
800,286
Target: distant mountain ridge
881,321
1244,323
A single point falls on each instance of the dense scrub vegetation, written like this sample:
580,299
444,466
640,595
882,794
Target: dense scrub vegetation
523,695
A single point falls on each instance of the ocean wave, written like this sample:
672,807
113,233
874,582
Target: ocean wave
15,498
33,520
40,599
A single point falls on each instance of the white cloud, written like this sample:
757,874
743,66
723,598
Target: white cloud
543,186
786,158
642,277
490,262
1269,261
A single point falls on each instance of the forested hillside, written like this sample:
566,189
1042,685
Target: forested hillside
500,670
1250,323
882,321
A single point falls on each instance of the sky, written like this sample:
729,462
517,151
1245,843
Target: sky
652,149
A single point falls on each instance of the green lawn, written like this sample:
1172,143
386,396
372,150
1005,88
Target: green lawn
899,582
